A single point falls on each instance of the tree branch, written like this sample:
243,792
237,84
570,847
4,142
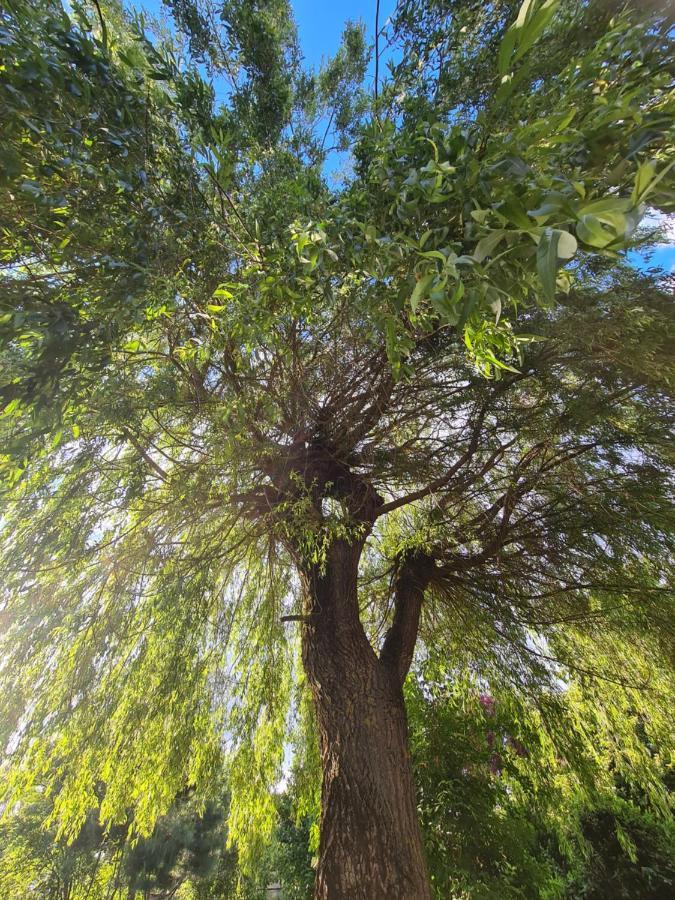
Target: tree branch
142,452
413,576
104,30
377,46
444,479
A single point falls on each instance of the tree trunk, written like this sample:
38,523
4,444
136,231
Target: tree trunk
370,845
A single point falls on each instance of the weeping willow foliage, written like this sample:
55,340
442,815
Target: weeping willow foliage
189,312
129,692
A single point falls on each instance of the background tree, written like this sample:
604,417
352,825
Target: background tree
32,861
225,414
183,857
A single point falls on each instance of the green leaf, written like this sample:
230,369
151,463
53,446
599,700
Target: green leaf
546,209
470,301
606,206
434,254
530,23
547,261
535,28
506,51
643,178
567,245
488,244
496,307
591,232
420,290
513,211
646,179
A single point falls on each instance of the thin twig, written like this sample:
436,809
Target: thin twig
104,30
377,45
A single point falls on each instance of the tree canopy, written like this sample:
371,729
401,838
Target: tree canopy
219,368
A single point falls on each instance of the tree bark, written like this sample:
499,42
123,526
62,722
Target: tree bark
370,844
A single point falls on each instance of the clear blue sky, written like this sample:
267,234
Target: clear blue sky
661,255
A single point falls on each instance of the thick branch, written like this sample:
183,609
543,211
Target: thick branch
413,576
157,469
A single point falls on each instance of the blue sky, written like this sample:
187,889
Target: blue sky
320,24
660,255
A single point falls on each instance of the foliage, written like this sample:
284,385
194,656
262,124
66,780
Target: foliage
506,813
182,846
32,860
184,853
485,822
205,388
631,854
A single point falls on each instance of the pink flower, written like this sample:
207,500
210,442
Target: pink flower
488,704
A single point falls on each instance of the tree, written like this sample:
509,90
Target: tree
631,854
240,404
32,861
184,848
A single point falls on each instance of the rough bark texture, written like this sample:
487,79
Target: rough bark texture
371,845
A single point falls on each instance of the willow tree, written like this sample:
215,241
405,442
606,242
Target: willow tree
265,438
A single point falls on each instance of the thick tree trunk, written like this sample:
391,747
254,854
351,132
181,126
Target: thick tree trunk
370,844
